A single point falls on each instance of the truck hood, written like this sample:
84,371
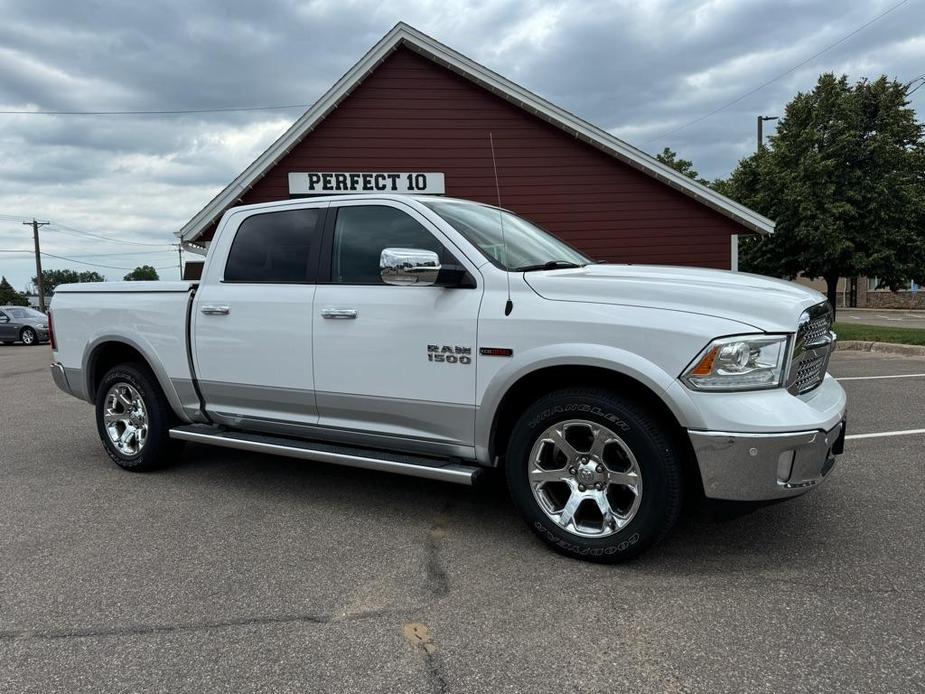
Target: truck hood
760,302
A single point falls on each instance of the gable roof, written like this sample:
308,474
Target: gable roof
405,35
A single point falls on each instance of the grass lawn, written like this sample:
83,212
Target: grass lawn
876,333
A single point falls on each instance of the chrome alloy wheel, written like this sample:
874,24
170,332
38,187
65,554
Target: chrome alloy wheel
585,478
28,336
126,419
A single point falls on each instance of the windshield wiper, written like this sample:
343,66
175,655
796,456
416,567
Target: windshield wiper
551,265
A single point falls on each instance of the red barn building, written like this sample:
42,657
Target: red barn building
413,105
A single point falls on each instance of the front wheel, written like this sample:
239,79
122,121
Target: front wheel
28,336
594,474
133,418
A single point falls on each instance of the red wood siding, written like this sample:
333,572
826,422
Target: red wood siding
412,115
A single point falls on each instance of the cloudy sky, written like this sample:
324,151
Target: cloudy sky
639,69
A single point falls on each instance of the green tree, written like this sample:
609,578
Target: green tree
142,272
9,296
52,278
684,166
844,178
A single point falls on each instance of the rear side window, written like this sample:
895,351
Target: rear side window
362,232
275,247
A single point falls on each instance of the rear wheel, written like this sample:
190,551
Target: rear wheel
133,418
594,474
28,336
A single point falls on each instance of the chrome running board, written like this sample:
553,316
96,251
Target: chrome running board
415,466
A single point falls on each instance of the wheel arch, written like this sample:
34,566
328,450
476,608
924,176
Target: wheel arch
536,383
106,352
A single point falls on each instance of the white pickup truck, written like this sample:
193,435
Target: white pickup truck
438,337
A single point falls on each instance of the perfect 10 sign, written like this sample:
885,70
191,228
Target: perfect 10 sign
326,183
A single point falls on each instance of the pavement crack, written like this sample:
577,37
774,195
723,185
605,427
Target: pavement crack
144,629
437,579
834,588
10,374
418,635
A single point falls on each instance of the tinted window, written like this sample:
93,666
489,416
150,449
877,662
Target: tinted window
275,247
24,313
361,233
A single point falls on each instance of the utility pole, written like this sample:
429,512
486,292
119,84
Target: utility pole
38,260
180,253
761,120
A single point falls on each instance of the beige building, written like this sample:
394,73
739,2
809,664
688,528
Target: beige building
862,292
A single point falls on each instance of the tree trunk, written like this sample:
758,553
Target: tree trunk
831,285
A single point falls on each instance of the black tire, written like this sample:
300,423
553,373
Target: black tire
657,456
158,450
28,336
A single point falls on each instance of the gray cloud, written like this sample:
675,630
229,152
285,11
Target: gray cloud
639,69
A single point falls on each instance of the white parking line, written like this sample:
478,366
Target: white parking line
906,432
868,378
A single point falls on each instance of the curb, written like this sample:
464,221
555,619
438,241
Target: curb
882,348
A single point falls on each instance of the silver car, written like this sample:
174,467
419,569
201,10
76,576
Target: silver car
22,324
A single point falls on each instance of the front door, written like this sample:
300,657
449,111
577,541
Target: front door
8,329
393,361
252,322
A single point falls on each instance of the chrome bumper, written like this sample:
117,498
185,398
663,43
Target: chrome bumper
60,378
754,467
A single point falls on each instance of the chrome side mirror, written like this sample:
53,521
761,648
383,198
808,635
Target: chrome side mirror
409,266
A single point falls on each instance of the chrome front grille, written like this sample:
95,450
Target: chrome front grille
817,330
812,349
810,372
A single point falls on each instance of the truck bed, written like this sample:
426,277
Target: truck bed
150,317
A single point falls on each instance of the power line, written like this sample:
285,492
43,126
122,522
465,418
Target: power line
920,80
110,267
177,112
96,255
62,228
82,262
780,76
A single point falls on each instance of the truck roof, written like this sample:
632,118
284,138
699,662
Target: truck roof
355,196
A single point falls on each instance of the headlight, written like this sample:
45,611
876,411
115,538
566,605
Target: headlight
743,362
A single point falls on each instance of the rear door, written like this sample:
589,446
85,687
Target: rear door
252,324
393,361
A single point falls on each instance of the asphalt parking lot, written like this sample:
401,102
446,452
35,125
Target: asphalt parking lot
234,571
890,318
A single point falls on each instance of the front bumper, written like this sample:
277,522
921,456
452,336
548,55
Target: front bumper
756,467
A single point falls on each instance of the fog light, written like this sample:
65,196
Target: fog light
785,465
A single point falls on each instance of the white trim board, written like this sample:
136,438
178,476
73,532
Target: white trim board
403,34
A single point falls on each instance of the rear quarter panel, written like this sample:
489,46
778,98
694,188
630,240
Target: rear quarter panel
151,321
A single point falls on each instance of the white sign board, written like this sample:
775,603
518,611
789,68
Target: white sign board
327,182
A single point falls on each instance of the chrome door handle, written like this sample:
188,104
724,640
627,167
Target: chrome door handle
341,313
215,310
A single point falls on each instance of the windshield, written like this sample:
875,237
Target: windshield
528,246
24,313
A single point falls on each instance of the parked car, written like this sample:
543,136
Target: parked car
438,337
22,324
